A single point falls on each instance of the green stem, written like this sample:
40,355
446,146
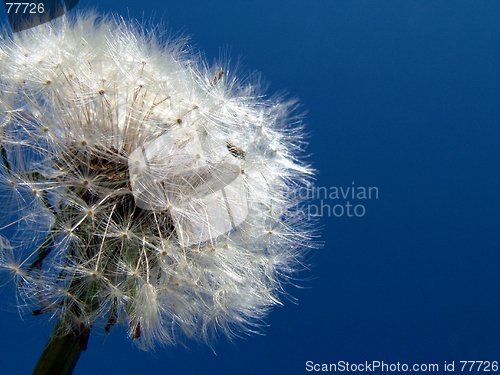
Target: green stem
62,352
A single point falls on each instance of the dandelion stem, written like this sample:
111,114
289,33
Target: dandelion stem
61,352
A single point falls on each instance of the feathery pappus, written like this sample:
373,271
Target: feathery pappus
142,186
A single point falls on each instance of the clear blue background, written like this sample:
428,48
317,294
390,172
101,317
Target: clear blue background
401,95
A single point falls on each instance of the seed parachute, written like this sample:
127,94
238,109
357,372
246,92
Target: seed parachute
142,186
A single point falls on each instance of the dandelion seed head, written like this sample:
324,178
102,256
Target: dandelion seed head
143,186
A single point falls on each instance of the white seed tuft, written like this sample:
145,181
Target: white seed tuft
142,186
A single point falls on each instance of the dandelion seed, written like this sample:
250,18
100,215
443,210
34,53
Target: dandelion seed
146,188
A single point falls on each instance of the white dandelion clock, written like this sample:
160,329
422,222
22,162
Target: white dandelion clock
142,187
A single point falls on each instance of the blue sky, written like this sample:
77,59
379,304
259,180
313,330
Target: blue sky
401,96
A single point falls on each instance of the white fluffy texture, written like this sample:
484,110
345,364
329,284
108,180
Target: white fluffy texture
143,186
